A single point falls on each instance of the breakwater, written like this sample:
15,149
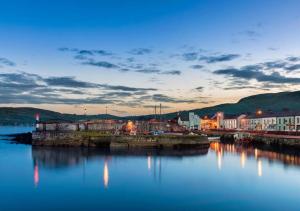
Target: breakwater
97,139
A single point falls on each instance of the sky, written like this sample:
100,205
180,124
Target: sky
126,56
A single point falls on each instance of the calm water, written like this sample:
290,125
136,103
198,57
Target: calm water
224,177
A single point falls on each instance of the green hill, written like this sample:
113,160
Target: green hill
18,116
275,102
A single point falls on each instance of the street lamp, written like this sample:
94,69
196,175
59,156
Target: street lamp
259,112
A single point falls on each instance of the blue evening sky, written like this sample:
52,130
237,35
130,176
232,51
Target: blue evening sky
131,55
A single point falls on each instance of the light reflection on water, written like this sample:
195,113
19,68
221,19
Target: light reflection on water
222,177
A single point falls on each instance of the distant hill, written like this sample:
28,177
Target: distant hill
18,116
273,102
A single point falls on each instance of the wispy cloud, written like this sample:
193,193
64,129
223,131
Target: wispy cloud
197,66
190,56
199,88
172,72
140,51
7,62
219,58
85,52
31,88
252,72
168,99
103,64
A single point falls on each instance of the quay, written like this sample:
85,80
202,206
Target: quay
98,139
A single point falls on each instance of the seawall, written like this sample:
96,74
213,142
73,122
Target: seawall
95,139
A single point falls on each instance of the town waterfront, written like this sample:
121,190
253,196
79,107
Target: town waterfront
224,177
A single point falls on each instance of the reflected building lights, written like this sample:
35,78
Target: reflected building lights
243,159
219,157
36,177
259,168
149,163
105,174
255,153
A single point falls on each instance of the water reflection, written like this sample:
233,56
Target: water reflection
286,156
259,168
36,177
105,174
59,158
243,159
149,162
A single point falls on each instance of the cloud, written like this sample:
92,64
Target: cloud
23,88
293,67
274,64
190,56
252,72
102,64
167,99
293,59
140,51
147,71
219,58
171,72
126,88
197,66
157,106
7,62
85,52
68,82
199,88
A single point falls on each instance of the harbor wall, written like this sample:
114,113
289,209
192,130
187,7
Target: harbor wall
97,139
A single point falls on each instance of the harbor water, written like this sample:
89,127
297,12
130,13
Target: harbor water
223,177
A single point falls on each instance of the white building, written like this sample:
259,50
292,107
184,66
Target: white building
190,121
194,121
263,122
233,122
297,122
286,123
183,120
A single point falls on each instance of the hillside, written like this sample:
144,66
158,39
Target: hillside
275,102
272,101
17,116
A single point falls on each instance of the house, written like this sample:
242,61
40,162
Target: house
265,122
183,120
194,121
189,120
233,122
207,123
297,122
285,122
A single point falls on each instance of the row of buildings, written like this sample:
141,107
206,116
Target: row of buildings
184,122
116,127
281,121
